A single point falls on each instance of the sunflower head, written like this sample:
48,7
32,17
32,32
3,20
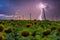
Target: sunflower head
46,33
9,30
58,30
12,29
35,23
2,37
53,28
2,22
34,20
28,25
25,34
49,23
1,28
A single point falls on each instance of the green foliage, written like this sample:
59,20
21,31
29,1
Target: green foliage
36,28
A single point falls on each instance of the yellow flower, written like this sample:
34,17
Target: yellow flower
53,28
9,30
25,34
46,33
1,28
58,30
34,20
2,37
29,25
35,23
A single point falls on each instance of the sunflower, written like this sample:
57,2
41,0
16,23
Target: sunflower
25,34
53,28
49,23
46,33
28,25
2,37
35,22
2,22
1,28
9,30
12,29
58,31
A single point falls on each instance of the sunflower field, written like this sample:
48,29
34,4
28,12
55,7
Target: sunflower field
29,30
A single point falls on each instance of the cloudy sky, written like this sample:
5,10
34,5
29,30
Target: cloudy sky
20,8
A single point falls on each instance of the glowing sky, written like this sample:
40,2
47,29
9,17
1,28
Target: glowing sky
9,8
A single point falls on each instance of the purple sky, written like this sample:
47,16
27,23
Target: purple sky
9,8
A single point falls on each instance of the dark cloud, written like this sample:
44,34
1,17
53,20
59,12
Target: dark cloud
9,7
